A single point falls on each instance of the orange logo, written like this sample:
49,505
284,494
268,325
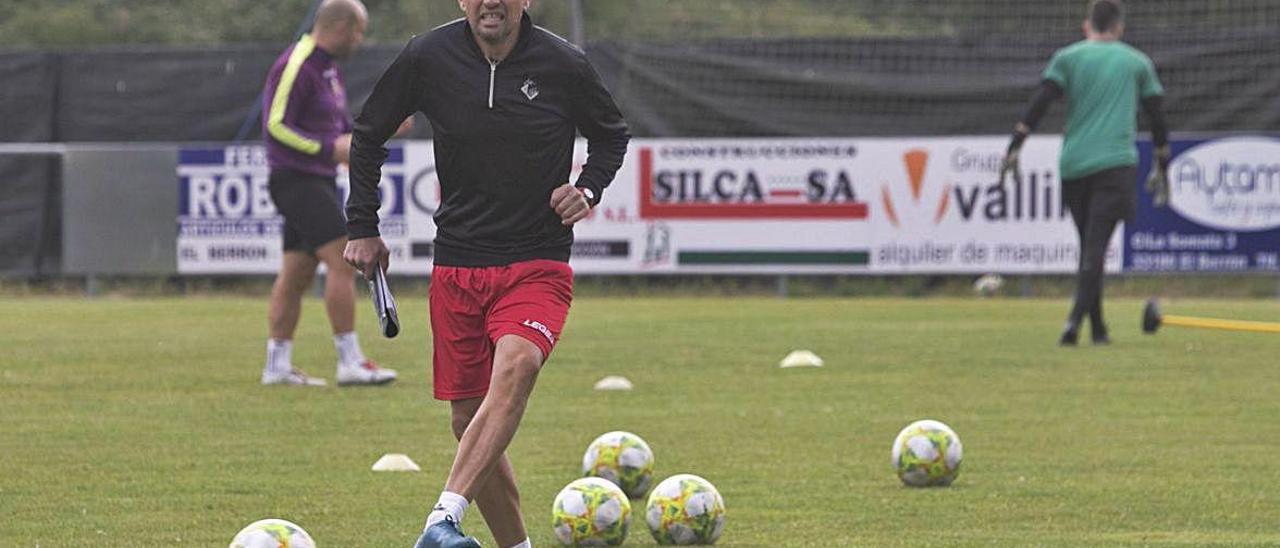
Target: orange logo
915,161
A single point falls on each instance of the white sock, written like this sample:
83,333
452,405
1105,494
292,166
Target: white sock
525,544
279,356
451,505
348,349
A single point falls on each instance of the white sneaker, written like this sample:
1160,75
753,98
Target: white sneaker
366,372
292,377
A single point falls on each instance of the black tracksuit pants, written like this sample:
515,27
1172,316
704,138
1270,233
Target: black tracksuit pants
1098,202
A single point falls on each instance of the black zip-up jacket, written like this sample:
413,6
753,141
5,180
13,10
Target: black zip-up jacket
504,135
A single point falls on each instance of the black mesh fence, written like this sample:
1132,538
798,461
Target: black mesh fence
914,67
30,213
684,21
719,68
28,93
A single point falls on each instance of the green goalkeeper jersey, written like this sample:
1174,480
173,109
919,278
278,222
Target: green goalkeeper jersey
1103,82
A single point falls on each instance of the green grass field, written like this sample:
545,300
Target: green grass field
140,422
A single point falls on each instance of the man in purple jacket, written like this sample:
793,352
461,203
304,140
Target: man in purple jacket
307,131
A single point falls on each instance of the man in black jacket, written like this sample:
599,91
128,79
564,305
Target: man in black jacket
504,99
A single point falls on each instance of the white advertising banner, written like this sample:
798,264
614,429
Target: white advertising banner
922,205
748,205
939,208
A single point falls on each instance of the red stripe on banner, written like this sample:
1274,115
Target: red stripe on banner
646,183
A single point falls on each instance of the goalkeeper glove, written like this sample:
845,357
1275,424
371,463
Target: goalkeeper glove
1158,181
1010,163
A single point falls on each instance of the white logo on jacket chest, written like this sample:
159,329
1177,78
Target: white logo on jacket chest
530,88
331,75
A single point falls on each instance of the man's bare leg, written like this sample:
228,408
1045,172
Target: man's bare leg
296,272
339,287
498,498
516,362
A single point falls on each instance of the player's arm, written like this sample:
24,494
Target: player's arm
1153,107
1152,93
1158,181
598,119
1044,96
295,88
394,98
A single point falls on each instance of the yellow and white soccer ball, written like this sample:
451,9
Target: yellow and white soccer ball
927,453
685,509
591,512
272,533
622,458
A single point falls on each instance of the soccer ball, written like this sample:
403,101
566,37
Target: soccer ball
988,284
272,533
591,512
927,453
622,458
685,509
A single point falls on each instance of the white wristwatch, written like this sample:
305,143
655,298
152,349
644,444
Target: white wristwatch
587,193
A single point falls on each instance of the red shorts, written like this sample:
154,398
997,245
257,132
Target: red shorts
473,307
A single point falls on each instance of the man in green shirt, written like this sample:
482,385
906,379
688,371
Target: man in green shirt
1104,80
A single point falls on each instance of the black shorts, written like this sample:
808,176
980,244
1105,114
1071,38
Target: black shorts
312,213
1110,193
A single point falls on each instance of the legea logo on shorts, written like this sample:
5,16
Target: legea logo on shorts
541,329
1228,184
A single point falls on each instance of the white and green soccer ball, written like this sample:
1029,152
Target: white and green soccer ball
591,512
622,458
927,453
272,533
685,509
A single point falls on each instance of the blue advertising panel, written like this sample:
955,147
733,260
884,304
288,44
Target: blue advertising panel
227,222
1223,213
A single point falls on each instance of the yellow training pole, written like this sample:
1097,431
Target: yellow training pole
1230,325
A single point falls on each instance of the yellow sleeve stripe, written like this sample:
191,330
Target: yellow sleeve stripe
280,101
